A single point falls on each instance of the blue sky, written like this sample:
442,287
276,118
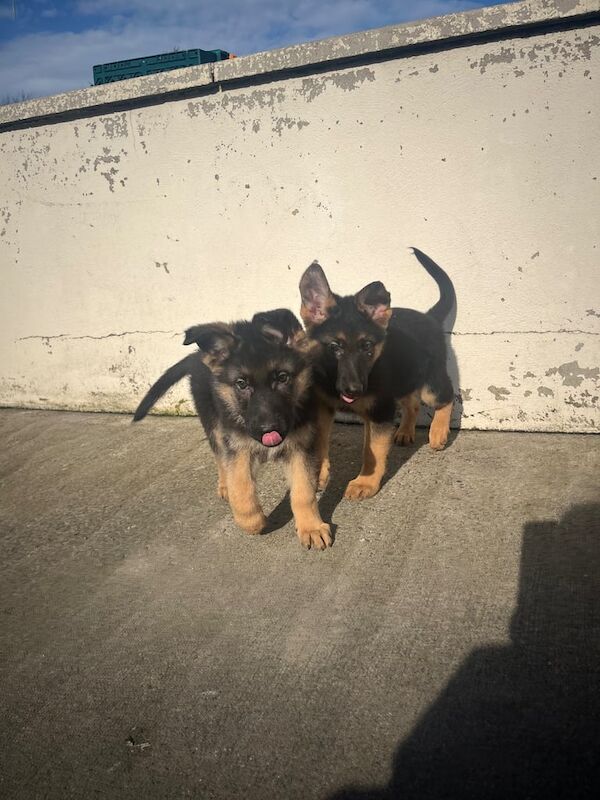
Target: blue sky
50,46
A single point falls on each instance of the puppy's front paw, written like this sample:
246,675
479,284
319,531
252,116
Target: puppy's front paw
222,491
252,523
360,489
317,537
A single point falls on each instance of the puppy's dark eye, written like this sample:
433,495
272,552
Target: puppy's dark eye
283,377
241,384
366,346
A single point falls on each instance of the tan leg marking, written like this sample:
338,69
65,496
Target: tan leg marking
222,480
324,425
377,443
408,427
440,427
242,494
311,529
428,397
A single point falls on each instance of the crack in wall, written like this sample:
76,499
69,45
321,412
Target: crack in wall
104,336
178,333
518,333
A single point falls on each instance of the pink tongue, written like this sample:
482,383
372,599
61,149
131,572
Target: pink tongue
347,399
271,439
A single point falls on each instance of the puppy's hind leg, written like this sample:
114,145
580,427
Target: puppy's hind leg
222,479
324,425
408,427
440,427
441,397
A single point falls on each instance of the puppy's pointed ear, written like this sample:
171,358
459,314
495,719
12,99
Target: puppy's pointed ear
216,341
317,298
279,326
282,327
374,301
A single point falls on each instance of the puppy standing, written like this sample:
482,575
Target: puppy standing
252,388
371,356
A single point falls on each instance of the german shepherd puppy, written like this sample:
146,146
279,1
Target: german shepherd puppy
252,388
372,355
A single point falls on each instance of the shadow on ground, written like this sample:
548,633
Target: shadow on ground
344,469
520,721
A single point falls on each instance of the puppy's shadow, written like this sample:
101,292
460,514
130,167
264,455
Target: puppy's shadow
344,466
279,516
346,460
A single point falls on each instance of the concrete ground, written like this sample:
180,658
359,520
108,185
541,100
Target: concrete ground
447,646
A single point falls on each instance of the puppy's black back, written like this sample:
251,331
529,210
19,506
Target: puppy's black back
417,330
414,354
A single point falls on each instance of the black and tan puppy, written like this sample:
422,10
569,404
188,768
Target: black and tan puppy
371,356
253,391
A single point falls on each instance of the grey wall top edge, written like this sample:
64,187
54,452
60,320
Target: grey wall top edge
135,88
492,19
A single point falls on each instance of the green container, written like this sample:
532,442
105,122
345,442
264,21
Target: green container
150,65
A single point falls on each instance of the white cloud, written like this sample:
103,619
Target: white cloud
47,63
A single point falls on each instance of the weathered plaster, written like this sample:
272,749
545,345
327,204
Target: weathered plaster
429,31
572,374
119,230
109,93
495,20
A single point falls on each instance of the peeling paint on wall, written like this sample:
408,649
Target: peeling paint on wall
572,374
180,212
232,103
499,393
347,81
115,125
585,399
287,122
539,54
111,173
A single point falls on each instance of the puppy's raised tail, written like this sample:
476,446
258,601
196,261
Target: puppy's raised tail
447,299
172,376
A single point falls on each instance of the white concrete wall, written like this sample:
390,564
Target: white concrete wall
121,228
